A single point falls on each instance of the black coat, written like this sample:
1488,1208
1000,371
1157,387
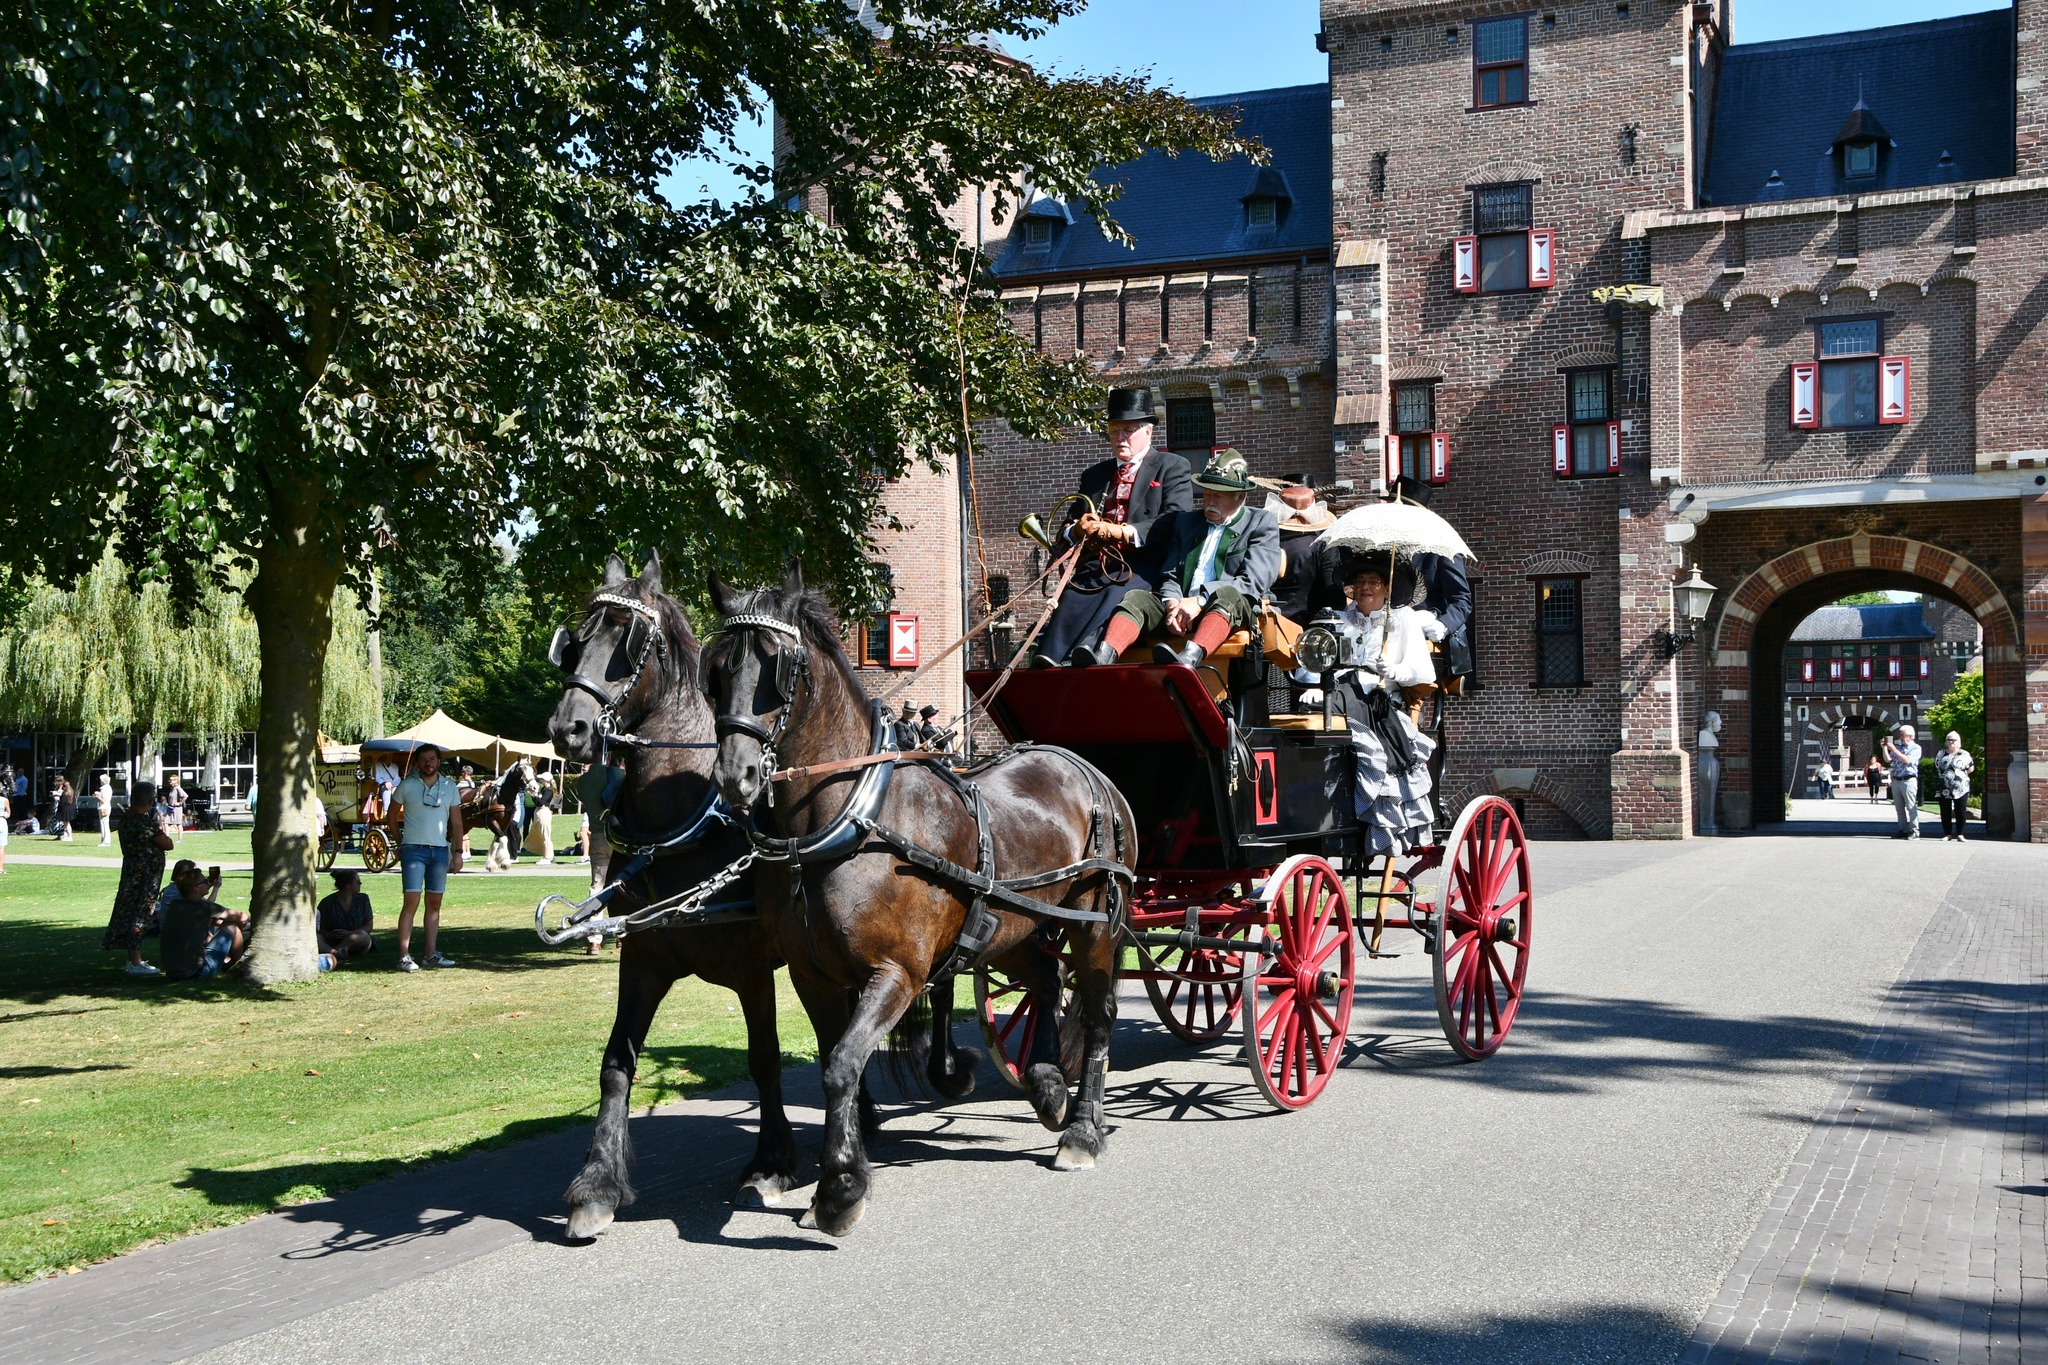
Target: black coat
1448,597
1163,486
1309,585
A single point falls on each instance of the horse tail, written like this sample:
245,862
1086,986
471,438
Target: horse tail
910,1046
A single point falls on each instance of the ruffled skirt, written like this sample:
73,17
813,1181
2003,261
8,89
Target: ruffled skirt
1392,803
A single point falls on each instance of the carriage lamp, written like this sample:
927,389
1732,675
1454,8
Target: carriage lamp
1319,650
1690,601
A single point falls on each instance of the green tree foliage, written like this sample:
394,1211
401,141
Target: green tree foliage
1863,599
105,656
1961,709
470,638
280,279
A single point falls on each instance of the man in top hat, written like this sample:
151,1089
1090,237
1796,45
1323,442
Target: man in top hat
1132,490
1219,564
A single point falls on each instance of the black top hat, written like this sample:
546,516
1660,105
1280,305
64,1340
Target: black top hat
1131,405
927,711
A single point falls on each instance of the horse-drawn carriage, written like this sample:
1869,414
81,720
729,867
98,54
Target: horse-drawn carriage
1254,897
352,797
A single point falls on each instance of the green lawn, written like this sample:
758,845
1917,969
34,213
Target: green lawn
224,846
135,1110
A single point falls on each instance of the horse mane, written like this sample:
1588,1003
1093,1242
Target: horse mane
820,624
678,663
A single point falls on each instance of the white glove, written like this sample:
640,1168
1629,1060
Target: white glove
1312,696
1432,629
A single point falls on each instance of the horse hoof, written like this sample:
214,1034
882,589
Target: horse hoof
763,1191
834,1224
588,1220
1073,1159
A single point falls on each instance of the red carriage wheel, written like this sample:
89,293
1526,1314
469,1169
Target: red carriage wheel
1010,1020
1200,1000
1298,1000
1481,945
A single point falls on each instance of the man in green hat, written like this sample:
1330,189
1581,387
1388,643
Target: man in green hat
1220,562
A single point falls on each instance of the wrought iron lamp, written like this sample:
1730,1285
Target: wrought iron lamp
1690,602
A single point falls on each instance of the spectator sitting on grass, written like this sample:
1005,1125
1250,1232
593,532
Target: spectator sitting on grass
186,884
202,938
345,919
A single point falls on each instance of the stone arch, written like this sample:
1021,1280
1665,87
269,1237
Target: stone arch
1557,562
1749,701
1512,782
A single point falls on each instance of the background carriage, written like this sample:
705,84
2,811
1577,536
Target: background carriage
343,780
1253,901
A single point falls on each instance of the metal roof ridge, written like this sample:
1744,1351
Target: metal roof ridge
1882,33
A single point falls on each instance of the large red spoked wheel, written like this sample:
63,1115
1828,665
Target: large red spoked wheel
1483,909
1298,1000
1011,1018
1199,1002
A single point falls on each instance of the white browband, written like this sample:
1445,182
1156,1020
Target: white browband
774,623
614,600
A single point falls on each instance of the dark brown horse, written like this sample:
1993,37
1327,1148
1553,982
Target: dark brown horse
872,918
633,671
490,806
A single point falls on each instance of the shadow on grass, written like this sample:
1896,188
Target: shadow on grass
36,1073
43,960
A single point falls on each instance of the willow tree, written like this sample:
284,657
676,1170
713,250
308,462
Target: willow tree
106,656
282,280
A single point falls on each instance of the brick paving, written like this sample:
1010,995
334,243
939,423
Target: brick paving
1910,1225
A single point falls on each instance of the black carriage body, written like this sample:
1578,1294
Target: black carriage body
1208,796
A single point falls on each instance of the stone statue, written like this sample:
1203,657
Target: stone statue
1710,772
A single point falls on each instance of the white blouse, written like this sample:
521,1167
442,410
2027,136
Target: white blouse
1395,648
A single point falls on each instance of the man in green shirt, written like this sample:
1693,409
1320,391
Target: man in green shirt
201,937
430,847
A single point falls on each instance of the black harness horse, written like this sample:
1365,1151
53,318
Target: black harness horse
905,873
632,669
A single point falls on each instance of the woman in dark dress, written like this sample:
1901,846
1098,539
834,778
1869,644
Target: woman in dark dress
63,810
143,843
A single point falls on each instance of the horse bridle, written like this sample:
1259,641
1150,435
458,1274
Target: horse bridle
609,702
792,667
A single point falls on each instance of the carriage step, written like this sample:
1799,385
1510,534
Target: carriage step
1160,939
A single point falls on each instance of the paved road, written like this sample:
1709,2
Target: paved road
1583,1196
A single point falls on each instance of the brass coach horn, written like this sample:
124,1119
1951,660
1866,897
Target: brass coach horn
1033,527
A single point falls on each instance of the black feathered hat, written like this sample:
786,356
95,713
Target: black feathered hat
1131,405
1401,585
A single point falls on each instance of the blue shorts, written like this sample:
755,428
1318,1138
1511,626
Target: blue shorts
425,867
215,958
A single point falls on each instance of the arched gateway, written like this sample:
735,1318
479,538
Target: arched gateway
1745,676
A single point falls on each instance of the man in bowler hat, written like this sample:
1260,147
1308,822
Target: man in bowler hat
1131,490
1219,564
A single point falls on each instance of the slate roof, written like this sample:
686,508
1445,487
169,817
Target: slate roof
1944,86
1897,621
1190,208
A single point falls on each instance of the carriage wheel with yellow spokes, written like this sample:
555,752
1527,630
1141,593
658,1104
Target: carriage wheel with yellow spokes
378,854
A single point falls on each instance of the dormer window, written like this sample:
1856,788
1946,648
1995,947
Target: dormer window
1042,223
1861,144
1267,200
1037,234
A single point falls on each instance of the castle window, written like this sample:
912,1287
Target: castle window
1850,382
1859,160
1589,398
1262,212
1037,234
1191,428
1414,425
1560,634
1500,62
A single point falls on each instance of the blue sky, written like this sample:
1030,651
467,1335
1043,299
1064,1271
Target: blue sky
1214,47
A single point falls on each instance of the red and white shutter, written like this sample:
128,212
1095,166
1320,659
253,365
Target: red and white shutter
1561,450
1923,665
1834,670
1392,460
1614,447
1439,456
1542,269
1465,265
1894,390
1893,665
1863,670
1806,394
1806,670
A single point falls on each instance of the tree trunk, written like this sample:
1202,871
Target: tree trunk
84,759
292,600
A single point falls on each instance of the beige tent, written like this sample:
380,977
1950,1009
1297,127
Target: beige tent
452,736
